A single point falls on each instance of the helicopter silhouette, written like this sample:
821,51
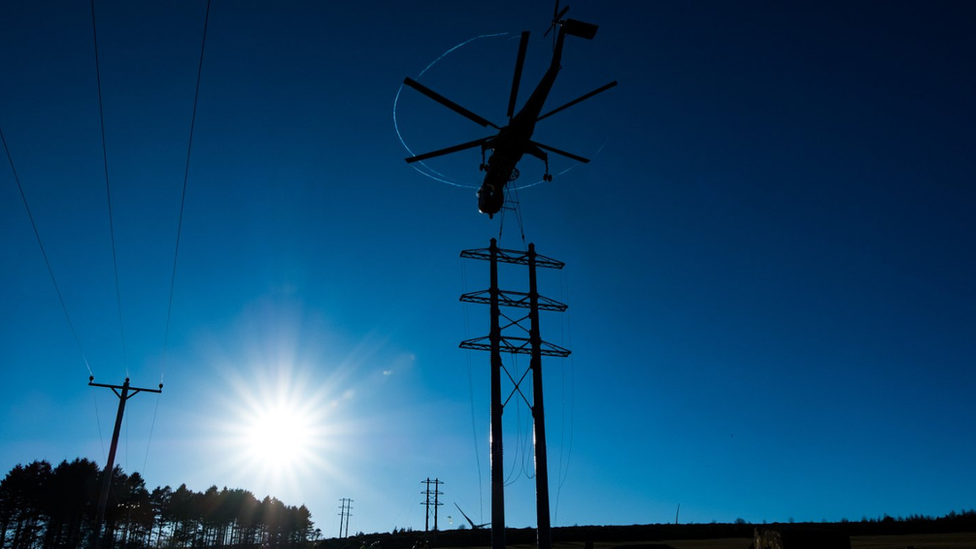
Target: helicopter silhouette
515,139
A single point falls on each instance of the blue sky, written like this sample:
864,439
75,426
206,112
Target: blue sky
769,260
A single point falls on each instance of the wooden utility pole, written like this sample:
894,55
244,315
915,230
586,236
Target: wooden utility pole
126,393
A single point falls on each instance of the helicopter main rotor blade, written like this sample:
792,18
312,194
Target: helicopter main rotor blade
448,103
519,62
563,153
579,99
449,150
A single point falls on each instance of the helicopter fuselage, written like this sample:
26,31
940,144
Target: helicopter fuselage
514,140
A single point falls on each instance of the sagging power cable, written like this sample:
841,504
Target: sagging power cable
47,262
186,177
108,192
179,227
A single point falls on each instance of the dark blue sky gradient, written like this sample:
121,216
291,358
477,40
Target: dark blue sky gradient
770,260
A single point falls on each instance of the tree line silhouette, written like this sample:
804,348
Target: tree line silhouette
45,507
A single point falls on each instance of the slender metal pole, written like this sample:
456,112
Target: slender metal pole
437,504
427,508
497,472
348,515
544,533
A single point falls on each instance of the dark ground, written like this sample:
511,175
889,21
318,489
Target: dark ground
957,532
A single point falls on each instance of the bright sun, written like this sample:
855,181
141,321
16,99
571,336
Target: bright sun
279,437
276,432
281,421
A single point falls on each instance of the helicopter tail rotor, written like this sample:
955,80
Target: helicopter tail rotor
556,20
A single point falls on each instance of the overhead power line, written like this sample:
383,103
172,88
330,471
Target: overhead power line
47,262
186,177
37,234
108,192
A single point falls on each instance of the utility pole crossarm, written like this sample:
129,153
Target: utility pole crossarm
132,391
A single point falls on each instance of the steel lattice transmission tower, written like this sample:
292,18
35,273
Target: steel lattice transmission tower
499,339
431,500
345,506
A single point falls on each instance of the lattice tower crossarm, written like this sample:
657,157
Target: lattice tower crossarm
509,298
512,256
515,345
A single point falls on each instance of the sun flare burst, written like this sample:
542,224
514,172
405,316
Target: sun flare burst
290,416
277,431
